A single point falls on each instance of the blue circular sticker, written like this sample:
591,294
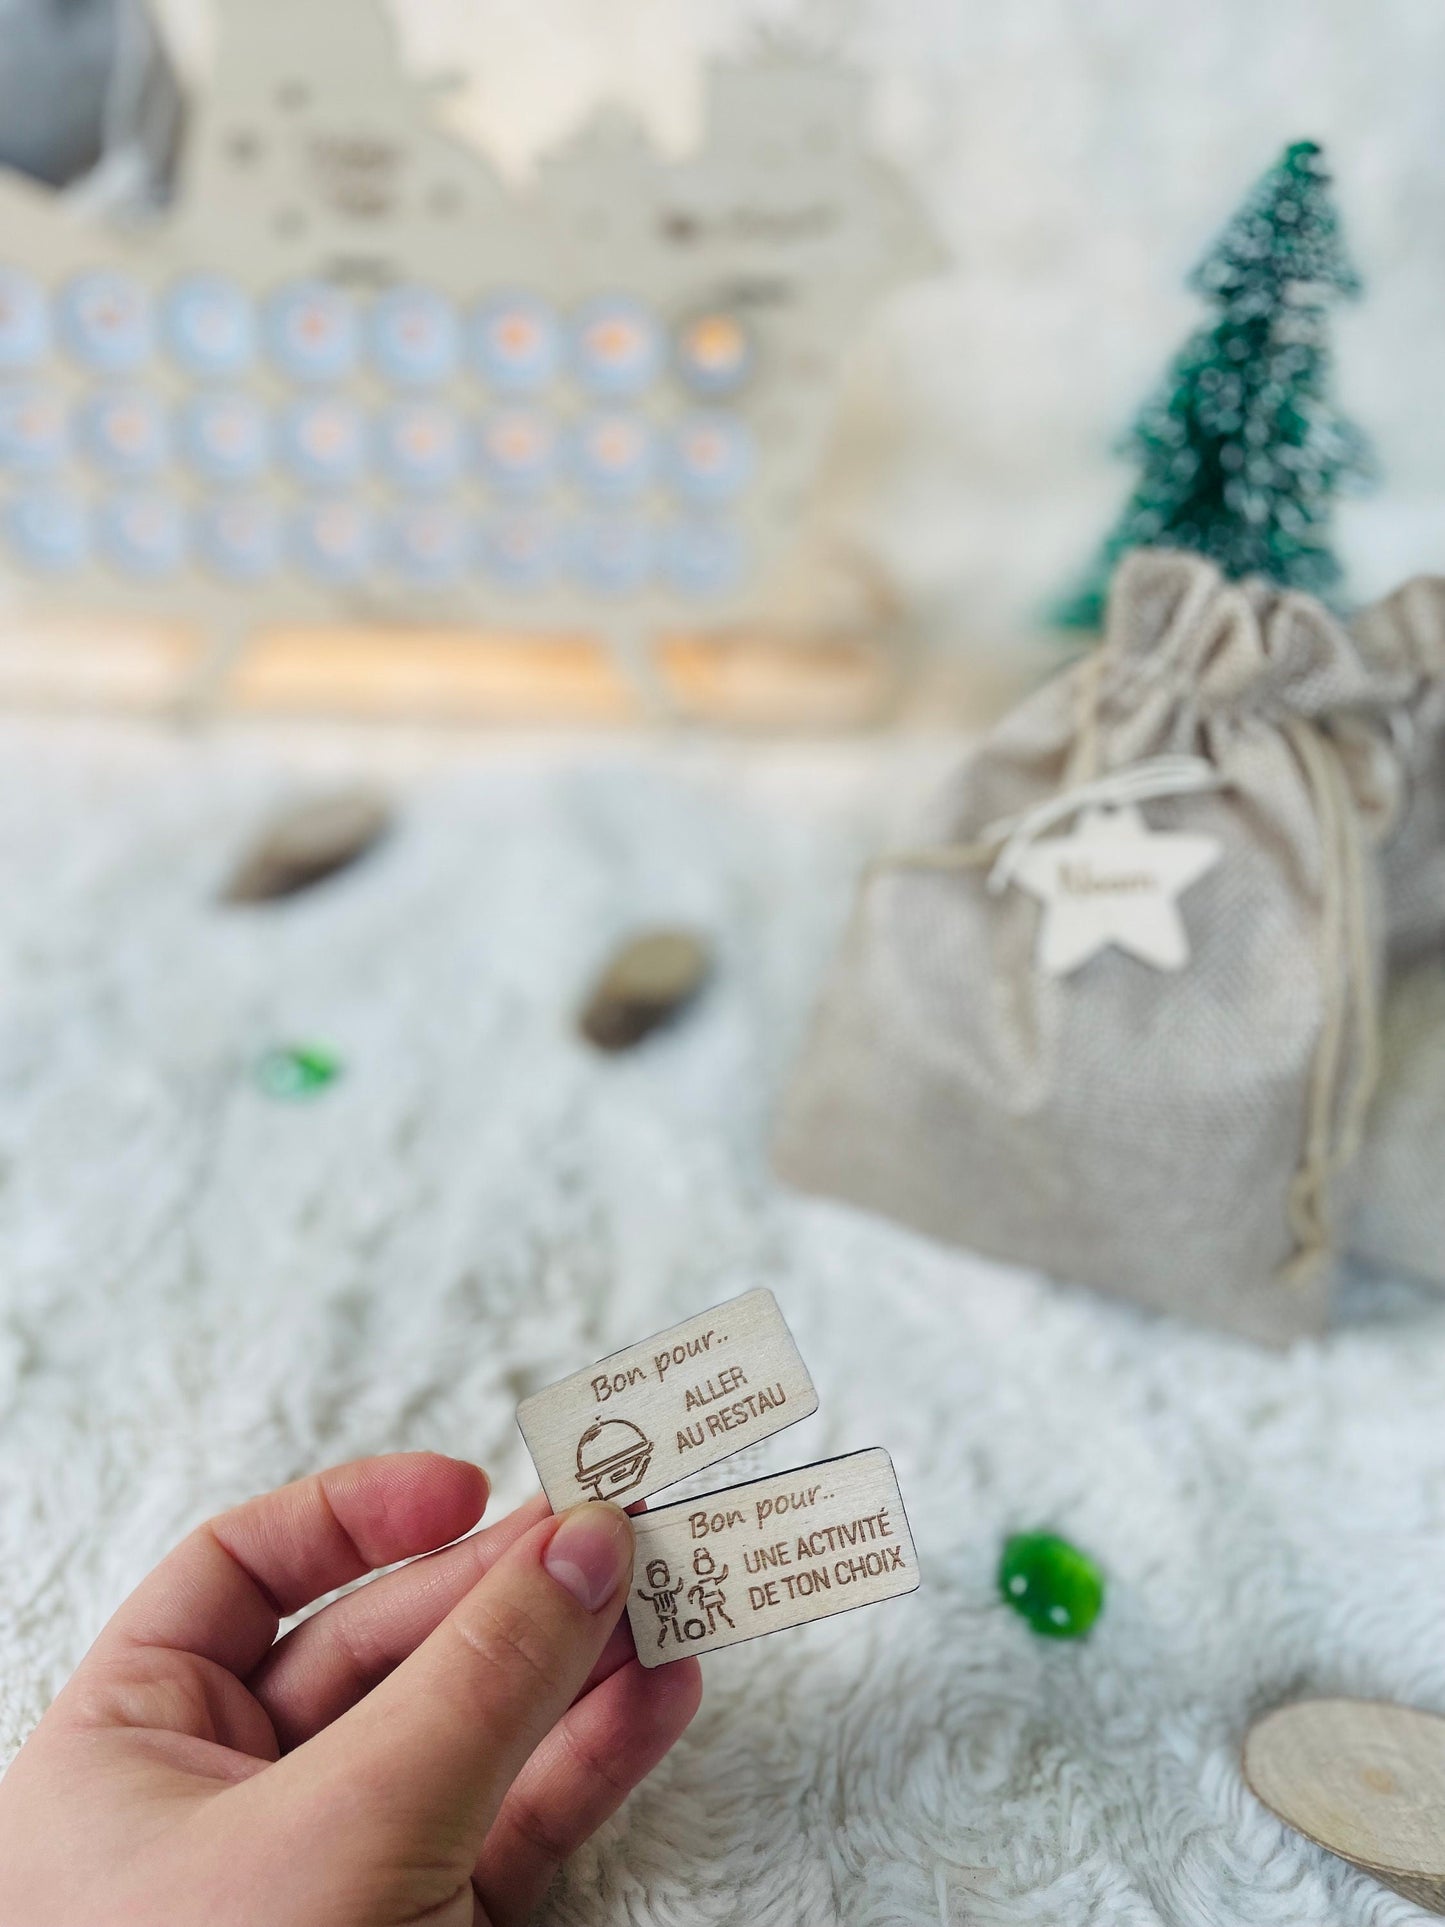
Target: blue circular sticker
701,558
333,541
33,432
323,442
105,320
209,326
427,544
710,458
617,346
421,446
516,343
611,553
612,455
413,335
225,436
520,550
239,537
311,331
714,353
24,321
517,450
48,531
142,535
124,432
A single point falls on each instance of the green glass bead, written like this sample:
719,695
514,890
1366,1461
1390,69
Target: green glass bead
1055,1587
295,1071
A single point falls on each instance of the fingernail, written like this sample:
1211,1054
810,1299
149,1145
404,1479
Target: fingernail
590,1553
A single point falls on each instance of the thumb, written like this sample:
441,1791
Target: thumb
426,1758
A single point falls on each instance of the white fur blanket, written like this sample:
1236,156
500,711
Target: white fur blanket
203,1293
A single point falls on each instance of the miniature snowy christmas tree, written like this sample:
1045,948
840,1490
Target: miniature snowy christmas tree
1240,449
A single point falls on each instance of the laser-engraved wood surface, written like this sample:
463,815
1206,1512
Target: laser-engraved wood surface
727,1566
668,1406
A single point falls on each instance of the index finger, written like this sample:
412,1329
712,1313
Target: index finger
429,1754
225,1589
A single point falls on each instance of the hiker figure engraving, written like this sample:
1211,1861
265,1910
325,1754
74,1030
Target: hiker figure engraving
666,1592
708,1594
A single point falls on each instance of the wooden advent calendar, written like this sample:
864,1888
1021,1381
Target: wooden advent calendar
358,425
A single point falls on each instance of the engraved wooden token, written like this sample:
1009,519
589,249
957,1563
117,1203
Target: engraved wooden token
668,1406
308,842
1364,1779
774,1553
647,983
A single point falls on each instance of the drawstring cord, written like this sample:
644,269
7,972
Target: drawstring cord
1350,1003
1135,783
1005,842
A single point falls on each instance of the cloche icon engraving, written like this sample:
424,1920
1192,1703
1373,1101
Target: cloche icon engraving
612,1457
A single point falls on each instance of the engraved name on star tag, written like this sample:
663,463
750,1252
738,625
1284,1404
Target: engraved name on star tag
1113,881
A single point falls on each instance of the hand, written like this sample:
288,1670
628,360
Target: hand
424,1750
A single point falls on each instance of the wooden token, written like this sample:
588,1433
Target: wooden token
308,842
1364,1779
774,1553
647,983
668,1406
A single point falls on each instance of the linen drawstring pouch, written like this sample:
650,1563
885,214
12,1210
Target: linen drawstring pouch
1399,1222
1114,1014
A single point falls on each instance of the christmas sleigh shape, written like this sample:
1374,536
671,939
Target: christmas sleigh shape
1153,1081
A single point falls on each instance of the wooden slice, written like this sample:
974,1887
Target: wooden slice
646,984
311,840
1364,1779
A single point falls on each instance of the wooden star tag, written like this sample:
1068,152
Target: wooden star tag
1113,881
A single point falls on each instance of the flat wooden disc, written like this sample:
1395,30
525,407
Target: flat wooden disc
654,976
1364,1779
307,842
